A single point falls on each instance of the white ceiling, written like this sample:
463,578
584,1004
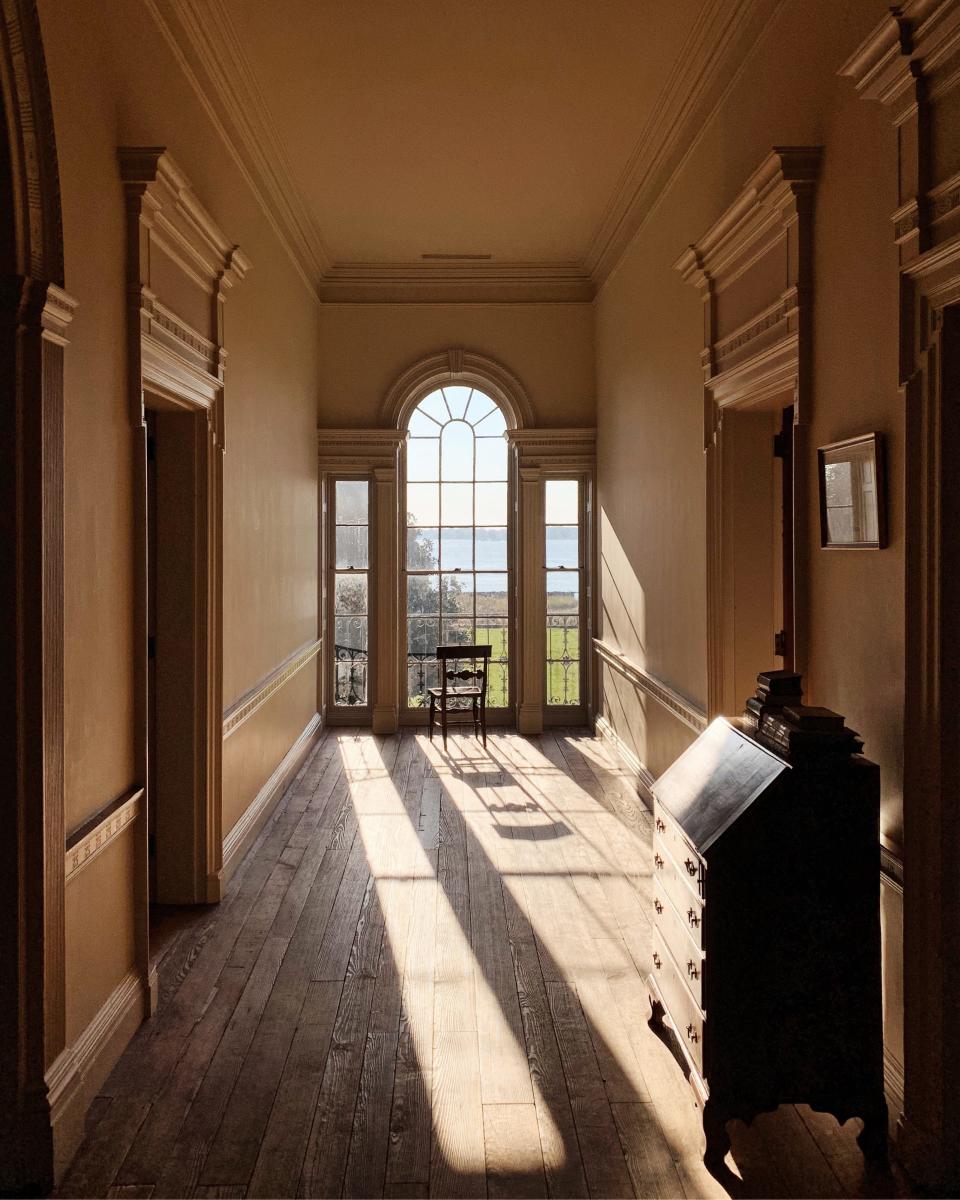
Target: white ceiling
493,127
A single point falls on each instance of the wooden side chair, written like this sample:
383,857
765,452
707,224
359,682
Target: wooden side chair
467,700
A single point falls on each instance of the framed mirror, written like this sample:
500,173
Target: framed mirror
852,501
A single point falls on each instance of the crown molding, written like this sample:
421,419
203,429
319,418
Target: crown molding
205,44
208,49
696,87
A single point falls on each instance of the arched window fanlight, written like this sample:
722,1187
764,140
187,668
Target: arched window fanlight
456,546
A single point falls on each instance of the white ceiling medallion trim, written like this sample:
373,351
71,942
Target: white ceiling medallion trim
459,366
694,89
205,43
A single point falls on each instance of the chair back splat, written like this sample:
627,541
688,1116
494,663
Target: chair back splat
462,693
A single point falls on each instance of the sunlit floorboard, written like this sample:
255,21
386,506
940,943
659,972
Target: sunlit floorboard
427,979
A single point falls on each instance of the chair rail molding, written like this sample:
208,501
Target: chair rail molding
757,259
911,65
243,708
692,715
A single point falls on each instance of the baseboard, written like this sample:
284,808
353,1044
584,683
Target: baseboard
242,836
79,1072
642,777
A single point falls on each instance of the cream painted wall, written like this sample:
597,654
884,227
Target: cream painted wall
104,96
365,347
649,405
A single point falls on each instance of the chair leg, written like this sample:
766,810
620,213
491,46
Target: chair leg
443,724
476,717
483,723
430,718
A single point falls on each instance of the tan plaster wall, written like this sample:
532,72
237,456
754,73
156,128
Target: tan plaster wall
365,347
649,406
114,81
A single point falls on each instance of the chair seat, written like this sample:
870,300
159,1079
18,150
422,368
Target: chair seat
437,693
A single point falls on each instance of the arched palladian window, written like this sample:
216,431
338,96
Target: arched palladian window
456,554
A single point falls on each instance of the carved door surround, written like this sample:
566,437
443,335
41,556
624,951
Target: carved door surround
753,269
37,1073
180,267
911,64
535,455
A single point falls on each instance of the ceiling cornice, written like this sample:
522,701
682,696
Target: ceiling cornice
204,40
697,84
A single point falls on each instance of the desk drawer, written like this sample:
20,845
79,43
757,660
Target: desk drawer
682,850
681,1008
676,933
675,881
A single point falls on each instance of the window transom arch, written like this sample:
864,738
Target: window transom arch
456,548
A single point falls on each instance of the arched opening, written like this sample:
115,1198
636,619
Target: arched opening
456,549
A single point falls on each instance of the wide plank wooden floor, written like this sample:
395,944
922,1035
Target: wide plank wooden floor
427,979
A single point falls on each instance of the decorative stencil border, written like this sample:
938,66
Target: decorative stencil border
243,709
685,711
94,841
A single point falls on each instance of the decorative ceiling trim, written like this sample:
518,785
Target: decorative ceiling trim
206,45
459,366
209,51
694,90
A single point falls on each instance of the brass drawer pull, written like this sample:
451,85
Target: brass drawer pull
661,828
690,865
657,961
692,917
692,1034
692,970
658,862
658,906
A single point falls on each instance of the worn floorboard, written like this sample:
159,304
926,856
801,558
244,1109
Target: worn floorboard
428,979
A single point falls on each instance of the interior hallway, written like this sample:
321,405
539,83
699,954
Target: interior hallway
428,979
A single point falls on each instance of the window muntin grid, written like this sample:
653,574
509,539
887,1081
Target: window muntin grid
351,592
563,572
457,578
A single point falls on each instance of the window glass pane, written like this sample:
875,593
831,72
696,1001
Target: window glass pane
423,503
563,638
562,502
423,594
435,406
498,686
491,549
457,399
422,426
457,594
492,425
457,503
423,635
423,547
492,597
563,592
423,459
456,549
421,674
479,406
491,458
562,546
352,502
457,631
456,451
491,503
563,683
492,631
350,635
352,546
349,683
350,594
